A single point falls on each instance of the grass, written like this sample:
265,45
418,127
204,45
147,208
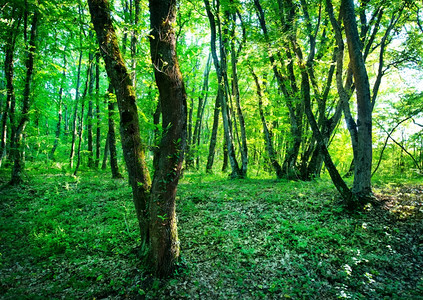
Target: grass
76,237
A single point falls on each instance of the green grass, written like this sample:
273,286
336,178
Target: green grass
76,237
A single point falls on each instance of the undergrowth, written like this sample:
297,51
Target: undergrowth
76,237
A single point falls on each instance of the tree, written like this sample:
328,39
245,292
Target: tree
157,220
132,146
221,99
363,160
17,151
164,238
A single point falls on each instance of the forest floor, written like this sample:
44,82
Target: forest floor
76,238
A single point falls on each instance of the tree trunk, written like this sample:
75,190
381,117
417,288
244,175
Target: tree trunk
333,172
75,111
213,138
97,112
60,115
105,153
132,146
221,69
90,116
10,89
266,132
363,161
134,36
81,118
164,236
290,92
235,93
189,158
202,100
111,138
17,150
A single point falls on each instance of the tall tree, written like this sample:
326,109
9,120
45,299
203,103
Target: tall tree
26,103
60,105
9,50
111,136
163,230
363,160
157,220
90,115
221,71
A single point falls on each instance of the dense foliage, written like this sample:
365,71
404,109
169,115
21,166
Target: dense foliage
258,102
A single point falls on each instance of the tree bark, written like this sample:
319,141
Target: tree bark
163,228
363,161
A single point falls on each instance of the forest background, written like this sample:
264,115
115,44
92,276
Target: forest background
270,90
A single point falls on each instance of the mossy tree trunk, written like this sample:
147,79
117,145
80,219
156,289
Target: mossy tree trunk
163,229
132,146
158,224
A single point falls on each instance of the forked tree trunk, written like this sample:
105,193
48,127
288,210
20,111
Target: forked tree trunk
333,172
290,90
163,228
236,94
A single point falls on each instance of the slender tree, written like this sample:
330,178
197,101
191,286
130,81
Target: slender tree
111,136
363,160
60,106
26,103
9,50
